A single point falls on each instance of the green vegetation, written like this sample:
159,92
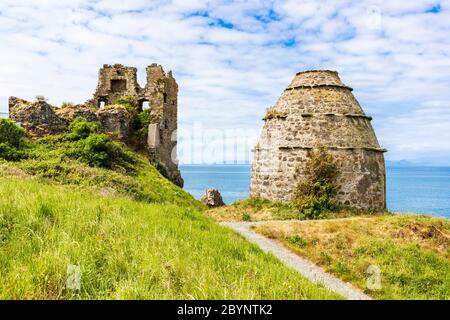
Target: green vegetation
10,133
253,209
83,199
128,250
128,102
296,241
88,158
12,141
315,197
96,149
412,252
40,98
66,104
139,121
257,209
81,129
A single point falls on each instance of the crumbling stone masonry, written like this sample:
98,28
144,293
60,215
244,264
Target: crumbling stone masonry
318,109
160,94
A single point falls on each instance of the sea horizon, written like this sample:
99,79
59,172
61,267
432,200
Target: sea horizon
411,188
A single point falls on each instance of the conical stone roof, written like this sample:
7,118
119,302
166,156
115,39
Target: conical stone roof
318,109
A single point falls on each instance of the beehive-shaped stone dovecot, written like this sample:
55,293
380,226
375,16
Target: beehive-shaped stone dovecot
318,109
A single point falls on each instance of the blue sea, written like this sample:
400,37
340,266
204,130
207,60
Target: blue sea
409,189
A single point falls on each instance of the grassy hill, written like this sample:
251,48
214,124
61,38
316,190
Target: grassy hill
90,202
128,249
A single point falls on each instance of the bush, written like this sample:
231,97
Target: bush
139,129
128,102
315,196
144,118
81,129
10,133
10,153
98,150
90,145
40,98
246,217
297,241
11,141
66,104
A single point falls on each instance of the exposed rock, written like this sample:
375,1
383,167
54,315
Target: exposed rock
213,198
318,109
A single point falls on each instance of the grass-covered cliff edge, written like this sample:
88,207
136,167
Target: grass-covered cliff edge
81,198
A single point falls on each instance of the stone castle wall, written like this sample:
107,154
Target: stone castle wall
115,82
318,109
161,93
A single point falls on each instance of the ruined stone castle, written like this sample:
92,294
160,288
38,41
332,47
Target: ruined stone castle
318,109
160,95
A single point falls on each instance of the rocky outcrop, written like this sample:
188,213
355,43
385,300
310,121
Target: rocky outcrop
213,198
318,109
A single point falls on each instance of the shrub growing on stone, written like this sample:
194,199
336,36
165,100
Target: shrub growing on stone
316,195
81,129
66,104
128,102
96,149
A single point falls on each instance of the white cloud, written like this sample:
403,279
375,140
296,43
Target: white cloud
233,59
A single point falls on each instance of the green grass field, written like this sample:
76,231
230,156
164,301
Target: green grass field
128,250
411,251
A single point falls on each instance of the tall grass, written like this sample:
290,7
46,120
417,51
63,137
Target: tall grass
411,251
128,250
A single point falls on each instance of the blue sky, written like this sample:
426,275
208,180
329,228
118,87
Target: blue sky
232,59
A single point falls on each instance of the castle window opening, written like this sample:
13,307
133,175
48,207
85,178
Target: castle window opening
102,104
165,97
145,105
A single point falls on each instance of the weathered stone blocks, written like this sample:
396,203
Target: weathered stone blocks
320,110
116,82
